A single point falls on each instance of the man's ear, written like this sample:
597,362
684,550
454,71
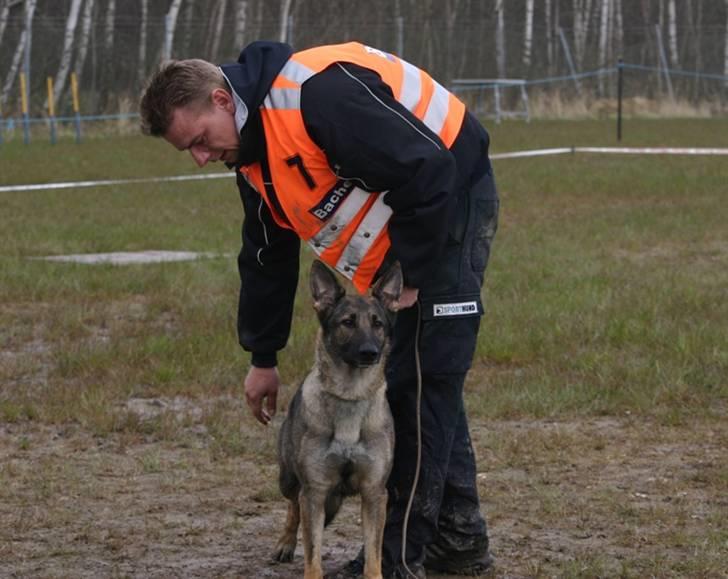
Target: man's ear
325,289
222,99
389,287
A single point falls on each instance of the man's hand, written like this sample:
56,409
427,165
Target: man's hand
407,298
262,384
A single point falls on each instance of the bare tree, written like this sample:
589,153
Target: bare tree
4,9
619,27
142,64
170,25
217,33
19,51
187,37
725,60
549,36
603,35
68,38
500,39
528,37
582,12
672,33
241,15
285,11
107,66
83,42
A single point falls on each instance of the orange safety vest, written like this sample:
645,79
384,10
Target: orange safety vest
345,225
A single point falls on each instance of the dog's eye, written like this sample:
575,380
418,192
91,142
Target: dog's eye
377,323
348,322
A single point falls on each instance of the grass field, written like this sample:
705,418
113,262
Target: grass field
598,397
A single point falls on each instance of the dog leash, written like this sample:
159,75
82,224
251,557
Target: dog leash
419,443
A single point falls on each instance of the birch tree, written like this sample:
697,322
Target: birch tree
67,53
528,36
142,64
83,42
285,11
170,24
725,57
603,35
672,33
217,33
500,39
4,9
582,12
241,15
107,65
19,51
549,37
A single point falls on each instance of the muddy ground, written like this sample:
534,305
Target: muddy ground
588,497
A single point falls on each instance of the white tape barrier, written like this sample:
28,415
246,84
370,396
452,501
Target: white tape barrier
106,183
512,155
131,257
614,150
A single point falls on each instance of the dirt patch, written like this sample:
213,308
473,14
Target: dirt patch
584,497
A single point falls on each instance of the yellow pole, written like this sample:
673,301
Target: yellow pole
74,92
24,105
51,109
23,95
51,104
76,108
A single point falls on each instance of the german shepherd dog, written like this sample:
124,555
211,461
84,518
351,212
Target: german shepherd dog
338,437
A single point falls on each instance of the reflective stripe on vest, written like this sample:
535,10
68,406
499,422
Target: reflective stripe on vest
345,225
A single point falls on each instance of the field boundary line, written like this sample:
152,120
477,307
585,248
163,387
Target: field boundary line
495,156
108,182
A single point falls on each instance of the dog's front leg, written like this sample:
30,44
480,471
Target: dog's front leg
373,516
287,543
312,530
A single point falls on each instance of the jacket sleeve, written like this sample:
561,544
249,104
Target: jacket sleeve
268,266
367,135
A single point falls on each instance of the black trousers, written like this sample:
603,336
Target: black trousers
446,508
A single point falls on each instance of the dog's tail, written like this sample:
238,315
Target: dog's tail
333,503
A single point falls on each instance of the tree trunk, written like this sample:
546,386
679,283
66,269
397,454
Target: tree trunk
619,28
528,37
725,59
672,33
187,38
500,39
19,52
142,63
107,61
65,66
285,11
170,25
603,31
4,9
582,13
83,42
217,34
549,37
241,15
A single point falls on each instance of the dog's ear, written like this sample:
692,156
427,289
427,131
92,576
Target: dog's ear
389,287
325,289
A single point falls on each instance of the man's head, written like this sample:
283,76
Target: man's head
189,103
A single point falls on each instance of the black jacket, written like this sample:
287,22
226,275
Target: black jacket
367,136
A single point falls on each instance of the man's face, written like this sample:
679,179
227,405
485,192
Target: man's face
208,132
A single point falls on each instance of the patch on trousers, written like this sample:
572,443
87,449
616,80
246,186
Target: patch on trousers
456,309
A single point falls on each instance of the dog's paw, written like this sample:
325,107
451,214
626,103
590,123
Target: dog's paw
284,552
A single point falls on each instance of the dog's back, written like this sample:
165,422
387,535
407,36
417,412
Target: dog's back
338,439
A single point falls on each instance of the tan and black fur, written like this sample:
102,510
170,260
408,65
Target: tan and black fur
338,438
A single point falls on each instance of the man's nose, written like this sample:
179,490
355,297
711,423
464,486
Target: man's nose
200,155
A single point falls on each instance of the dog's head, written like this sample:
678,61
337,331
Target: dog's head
355,329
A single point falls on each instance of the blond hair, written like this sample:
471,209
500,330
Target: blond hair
177,83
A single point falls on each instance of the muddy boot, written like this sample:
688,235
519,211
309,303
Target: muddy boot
458,563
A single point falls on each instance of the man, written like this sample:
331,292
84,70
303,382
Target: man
369,160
